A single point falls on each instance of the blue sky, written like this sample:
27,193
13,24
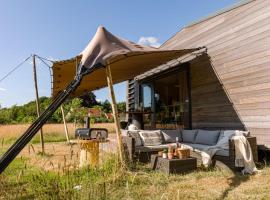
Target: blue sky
61,29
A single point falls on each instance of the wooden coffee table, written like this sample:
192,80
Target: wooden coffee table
173,166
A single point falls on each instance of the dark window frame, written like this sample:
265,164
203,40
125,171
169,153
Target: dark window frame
165,73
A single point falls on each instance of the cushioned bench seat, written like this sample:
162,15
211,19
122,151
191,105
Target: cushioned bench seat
141,144
191,146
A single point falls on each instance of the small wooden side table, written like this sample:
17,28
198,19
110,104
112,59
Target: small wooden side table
173,166
89,152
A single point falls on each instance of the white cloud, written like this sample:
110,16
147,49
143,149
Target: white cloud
99,100
149,41
2,89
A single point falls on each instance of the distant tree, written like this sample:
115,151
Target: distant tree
76,110
89,100
76,113
106,106
121,106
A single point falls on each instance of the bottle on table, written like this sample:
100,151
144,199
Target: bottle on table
178,145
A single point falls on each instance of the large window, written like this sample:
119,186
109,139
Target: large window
146,97
146,105
167,98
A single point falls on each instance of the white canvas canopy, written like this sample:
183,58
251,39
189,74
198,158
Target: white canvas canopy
126,60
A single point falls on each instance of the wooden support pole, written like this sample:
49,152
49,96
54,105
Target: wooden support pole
115,114
65,124
37,102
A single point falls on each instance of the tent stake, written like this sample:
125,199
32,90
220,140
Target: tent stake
115,114
65,124
37,102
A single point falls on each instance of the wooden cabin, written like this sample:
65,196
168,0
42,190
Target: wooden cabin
226,85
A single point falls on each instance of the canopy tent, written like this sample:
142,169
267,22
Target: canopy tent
106,59
125,58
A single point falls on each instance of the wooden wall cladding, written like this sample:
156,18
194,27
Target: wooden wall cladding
238,46
211,107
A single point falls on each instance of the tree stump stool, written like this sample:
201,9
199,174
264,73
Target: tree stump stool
89,152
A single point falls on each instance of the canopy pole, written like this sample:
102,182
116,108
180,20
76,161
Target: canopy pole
65,124
115,114
37,102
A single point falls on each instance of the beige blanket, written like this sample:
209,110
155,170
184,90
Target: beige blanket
243,155
243,151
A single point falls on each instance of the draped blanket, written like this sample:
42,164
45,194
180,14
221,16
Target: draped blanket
243,153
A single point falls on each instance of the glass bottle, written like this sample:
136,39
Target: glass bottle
177,142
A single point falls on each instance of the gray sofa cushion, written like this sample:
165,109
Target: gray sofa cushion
188,136
136,135
151,138
170,135
207,137
228,133
193,147
222,152
197,146
154,148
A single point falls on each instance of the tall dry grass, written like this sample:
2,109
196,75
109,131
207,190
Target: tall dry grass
11,132
110,181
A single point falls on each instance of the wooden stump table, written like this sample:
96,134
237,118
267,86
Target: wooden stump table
89,152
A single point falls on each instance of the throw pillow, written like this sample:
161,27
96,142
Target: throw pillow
225,135
136,135
207,137
151,138
170,135
188,136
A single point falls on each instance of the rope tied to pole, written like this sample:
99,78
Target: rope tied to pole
15,68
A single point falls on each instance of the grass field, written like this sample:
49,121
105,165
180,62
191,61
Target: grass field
52,132
110,181
31,176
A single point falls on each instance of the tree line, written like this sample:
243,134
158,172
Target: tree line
75,109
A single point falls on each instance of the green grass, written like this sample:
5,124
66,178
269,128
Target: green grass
110,181
20,181
51,137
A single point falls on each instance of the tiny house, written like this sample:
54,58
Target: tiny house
225,85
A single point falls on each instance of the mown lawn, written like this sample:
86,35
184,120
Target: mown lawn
22,181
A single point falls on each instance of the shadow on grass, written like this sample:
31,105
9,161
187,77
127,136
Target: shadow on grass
235,181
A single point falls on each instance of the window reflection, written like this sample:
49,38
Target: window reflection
146,97
169,94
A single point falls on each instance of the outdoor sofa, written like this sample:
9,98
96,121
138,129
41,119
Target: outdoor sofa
195,140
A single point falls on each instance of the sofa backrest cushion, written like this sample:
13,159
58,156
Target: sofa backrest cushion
188,136
229,133
207,137
224,137
171,135
151,138
135,134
